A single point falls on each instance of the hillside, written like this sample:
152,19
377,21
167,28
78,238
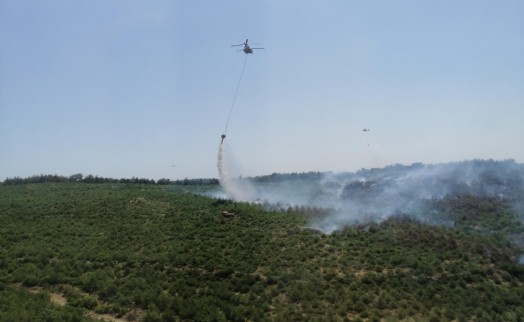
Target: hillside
161,253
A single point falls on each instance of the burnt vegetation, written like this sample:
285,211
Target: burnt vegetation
160,252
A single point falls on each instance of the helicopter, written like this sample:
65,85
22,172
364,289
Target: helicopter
247,49
365,130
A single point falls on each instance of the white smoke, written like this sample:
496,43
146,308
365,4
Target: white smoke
334,200
237,189
376,194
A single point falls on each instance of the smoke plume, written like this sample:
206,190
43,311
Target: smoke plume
376,194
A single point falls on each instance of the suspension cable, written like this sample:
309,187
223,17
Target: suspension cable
236,92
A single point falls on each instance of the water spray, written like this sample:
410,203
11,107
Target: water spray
224,180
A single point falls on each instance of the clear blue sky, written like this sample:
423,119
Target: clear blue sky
143,88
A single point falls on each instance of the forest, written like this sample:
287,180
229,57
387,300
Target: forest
130,251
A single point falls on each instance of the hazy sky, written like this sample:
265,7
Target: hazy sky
143,88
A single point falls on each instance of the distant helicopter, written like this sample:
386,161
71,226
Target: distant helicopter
247,49
365,130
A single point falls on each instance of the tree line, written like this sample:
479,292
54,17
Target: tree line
54,178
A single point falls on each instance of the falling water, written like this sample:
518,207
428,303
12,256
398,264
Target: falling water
236,189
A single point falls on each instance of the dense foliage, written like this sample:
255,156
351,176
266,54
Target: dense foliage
160,253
